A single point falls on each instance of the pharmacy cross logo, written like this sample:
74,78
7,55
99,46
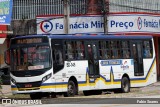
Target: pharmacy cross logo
139,23
46,26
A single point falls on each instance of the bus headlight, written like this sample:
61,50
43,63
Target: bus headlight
13,81
46,77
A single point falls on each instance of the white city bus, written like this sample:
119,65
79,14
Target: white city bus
51,64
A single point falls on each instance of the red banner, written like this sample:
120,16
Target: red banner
3,28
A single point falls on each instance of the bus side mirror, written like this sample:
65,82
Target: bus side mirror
7,56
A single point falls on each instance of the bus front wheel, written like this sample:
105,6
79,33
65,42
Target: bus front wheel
125,85
71,90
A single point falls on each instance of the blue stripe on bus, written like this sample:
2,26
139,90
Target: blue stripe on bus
13,86
117,80
87,36
59,83
81,82
99,37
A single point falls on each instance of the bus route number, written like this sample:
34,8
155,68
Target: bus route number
71,64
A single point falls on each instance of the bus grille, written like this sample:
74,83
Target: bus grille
28,89
29,86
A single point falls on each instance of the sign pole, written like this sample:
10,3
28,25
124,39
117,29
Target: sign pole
105,11
66,16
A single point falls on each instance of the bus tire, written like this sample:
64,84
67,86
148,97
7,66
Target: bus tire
71,89
36,96
125,85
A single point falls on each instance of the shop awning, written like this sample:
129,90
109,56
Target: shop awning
2,40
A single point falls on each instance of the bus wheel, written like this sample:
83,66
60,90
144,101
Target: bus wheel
125,85
71,89
36,96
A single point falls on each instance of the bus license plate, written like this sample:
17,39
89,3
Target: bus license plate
28,85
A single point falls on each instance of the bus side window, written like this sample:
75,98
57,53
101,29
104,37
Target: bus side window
57,54
70,50
104,49
79,50
126,53
147,49
114,49
125,49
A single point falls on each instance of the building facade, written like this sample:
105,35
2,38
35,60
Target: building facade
25,11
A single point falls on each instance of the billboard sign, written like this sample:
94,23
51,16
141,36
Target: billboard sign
80,24
117,24
134,23
5,11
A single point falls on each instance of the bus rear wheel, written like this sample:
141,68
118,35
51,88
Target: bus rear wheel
71,90
125,85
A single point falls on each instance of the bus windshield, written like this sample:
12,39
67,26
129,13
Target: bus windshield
30,58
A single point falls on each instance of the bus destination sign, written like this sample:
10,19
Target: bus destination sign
29,40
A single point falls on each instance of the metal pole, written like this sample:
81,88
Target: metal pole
66,16
105,12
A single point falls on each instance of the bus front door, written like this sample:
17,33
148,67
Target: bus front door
137,54
93,63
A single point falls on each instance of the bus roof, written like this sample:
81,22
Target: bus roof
99,36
